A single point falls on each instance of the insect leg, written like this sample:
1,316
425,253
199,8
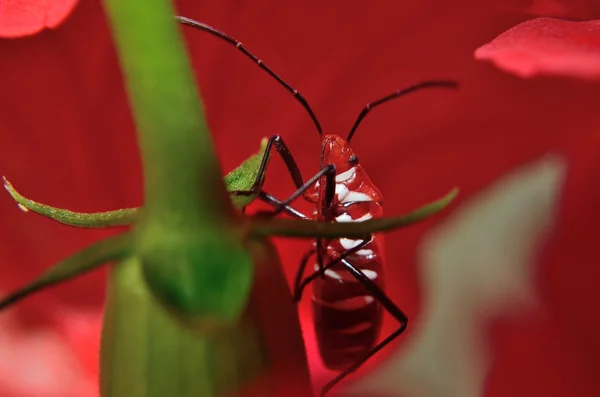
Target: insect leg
277,142
297,214
327,214
328,171
272,200
299,286
387,303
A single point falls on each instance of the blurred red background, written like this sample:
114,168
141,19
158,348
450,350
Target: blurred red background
68,140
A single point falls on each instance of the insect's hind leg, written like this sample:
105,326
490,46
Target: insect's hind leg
280,206
297,214
329,172
300,285
388,305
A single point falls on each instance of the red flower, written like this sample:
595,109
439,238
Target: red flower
571,9
26,17
68,141
547,46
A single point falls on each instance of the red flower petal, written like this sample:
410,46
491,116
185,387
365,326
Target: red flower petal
41,362
571,9
547,46
25,17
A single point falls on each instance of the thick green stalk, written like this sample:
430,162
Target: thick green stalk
178,157
192,257
148,353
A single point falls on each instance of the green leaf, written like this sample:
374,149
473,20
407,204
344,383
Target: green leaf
82,262
240,178
79,219
263,227
243,177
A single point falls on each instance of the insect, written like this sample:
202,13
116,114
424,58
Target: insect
348,277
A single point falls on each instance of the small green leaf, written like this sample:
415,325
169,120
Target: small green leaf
243,177
80,219
87,259
262,227
240,178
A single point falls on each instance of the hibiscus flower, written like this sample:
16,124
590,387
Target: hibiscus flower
64,94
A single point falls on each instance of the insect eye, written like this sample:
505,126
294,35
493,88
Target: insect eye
353,159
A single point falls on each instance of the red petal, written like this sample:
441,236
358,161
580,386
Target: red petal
25,17
547,46
288,374
72,144
571,9
41,362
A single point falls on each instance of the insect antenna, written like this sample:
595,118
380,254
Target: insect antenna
295,93
397,94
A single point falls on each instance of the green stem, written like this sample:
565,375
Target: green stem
178,157
261,227
240,178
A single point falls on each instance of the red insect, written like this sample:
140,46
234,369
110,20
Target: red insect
348,278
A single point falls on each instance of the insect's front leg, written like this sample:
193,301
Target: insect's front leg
327,214
328,171
275,202
276,142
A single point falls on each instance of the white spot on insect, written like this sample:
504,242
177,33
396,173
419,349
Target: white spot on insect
344,176
355,197
368,255
348,218
349,243
330,273
333,274
344,218
345,276
341,191
22,207
370,273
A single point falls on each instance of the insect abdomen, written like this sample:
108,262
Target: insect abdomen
347,318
